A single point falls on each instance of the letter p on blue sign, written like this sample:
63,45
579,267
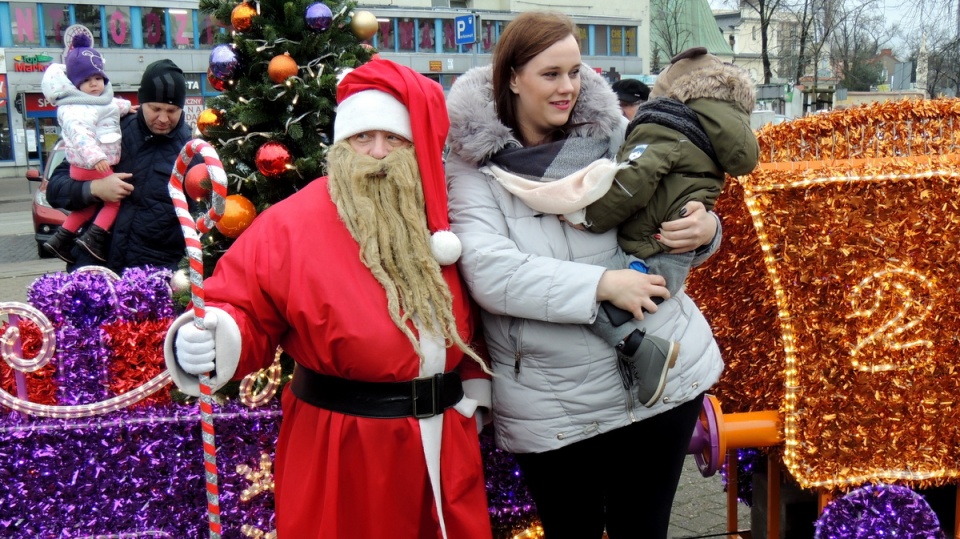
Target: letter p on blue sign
466,30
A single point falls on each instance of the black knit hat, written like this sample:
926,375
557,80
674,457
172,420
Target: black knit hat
163,82
631,90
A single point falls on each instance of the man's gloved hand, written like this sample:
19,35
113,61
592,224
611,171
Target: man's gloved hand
196,348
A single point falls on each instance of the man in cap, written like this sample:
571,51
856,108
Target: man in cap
146,230
354,276
631,94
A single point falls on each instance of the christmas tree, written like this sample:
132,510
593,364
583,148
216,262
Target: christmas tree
277,69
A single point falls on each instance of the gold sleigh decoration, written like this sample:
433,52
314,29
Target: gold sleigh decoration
836,294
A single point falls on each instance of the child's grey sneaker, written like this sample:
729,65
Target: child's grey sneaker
649,358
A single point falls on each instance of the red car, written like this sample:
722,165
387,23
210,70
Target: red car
46,218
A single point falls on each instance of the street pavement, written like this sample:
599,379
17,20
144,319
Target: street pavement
699,509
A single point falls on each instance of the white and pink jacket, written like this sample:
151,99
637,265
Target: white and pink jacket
90,125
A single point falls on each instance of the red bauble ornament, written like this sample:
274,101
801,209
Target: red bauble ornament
217,84
242,17
238,213
273,159
197,184
208,118
282,67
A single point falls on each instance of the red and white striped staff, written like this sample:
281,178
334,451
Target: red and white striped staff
203,224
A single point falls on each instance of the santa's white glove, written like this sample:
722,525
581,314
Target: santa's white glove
196,348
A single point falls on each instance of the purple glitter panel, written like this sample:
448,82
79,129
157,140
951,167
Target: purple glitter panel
879,511
133,471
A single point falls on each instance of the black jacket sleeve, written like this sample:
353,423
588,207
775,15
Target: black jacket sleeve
67,193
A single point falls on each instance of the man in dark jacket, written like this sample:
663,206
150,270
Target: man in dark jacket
146,231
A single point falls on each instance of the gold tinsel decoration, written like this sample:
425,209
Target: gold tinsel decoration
834,295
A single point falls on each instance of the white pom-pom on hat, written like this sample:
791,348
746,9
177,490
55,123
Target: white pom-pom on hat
445,247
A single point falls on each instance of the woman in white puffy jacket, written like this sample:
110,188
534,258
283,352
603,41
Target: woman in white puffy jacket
593,458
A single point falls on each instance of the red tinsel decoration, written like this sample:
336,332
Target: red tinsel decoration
137,356
40,384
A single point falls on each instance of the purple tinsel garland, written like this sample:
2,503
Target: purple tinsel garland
509,503
879,511
134,471
747,460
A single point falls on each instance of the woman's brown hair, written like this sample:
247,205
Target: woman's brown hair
525,37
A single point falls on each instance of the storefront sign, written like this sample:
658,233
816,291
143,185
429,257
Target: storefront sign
192,109
27,64
436,66
39,103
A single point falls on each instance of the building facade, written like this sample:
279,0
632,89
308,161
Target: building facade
419,33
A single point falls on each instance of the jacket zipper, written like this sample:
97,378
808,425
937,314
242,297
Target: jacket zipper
583,432
518,355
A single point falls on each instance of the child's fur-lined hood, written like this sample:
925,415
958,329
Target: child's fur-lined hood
720,81
476,132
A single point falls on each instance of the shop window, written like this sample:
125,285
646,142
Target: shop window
89,16
584,39
600,40
26,25
6,141
616,41
489,32
385,38
406,30
181,28
631,41
56,19
119,23
427,35
154,24
208,30
449,36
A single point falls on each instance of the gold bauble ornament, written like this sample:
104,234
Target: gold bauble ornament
364,24
282,67
242,17
208,118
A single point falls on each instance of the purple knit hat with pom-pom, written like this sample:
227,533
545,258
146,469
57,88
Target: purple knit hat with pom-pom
84,61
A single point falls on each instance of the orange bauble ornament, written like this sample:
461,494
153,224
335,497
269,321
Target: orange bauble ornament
238,213
282,67
197,184
242,17
208,118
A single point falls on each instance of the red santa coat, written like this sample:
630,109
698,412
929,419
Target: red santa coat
294,279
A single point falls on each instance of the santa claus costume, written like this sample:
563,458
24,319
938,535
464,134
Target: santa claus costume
295,279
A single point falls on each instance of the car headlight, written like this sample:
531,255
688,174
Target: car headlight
41,200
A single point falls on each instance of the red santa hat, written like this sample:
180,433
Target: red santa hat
383,95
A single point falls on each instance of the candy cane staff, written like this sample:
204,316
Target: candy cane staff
354,276
203,387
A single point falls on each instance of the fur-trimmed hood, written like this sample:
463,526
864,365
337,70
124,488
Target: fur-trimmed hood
720,81
476,133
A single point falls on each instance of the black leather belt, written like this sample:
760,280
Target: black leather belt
420,397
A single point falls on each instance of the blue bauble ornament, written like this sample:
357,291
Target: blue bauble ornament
224,62
319,17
